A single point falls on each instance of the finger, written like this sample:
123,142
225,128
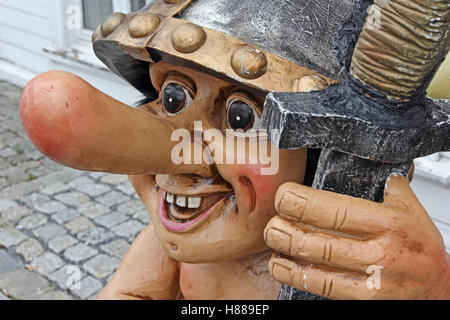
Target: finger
322,282
398,193
322,249
331,211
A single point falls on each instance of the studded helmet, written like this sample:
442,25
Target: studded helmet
264,44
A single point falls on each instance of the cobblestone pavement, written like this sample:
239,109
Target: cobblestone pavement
62,232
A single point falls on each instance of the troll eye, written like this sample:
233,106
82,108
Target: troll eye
175,98
242,116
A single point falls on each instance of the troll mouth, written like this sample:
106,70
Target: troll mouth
186,197
182,209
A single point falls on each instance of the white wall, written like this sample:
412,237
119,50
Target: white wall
431,184
27,27
436,199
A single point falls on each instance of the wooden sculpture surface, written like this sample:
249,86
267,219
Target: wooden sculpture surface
223,246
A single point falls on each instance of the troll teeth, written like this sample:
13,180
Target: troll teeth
170,197
181,201
194,203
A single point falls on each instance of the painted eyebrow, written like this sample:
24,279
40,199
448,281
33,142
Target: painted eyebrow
182,78
246,97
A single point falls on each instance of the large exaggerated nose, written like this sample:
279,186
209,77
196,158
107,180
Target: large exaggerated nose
78,126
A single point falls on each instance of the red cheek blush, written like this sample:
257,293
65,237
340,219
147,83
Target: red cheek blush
265,185
259,188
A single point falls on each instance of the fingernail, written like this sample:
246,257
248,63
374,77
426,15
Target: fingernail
278,240
292,204
281,273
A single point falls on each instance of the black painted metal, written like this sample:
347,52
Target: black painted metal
289,293
354,176
135,71
297,30
345,119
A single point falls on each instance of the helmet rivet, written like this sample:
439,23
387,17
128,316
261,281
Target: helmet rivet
111,23
309,83
188,38
95,34
143,25
249,63
170,1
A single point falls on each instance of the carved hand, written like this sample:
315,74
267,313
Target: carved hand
341,247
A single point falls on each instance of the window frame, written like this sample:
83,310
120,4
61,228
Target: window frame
75,46
84,35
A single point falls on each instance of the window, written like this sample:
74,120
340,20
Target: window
75,20
94,12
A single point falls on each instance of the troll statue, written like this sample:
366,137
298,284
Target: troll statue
225,230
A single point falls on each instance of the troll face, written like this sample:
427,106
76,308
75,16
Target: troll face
220,215
202,211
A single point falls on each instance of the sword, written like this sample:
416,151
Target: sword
377,121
